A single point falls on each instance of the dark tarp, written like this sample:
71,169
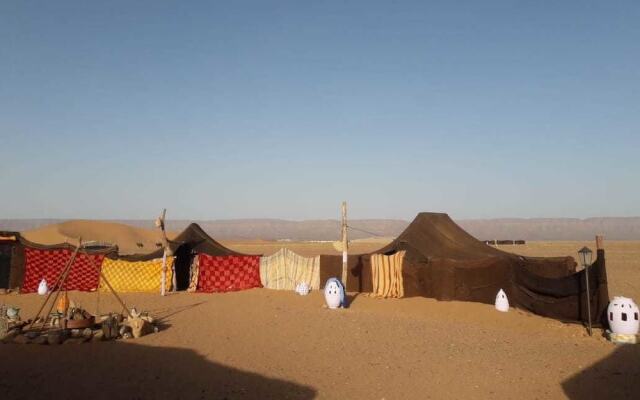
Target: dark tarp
445,262
331,267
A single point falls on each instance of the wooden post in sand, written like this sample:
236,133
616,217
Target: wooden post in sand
344,245
164,273
599,242
165,253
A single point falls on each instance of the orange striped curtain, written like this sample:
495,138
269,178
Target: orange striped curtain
386,272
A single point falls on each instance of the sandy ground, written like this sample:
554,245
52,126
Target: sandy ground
264,344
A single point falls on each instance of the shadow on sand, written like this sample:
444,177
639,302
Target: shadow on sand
615,377
118,370
165,313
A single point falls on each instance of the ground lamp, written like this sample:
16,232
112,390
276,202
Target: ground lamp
502,303
585,259
334,293
623,316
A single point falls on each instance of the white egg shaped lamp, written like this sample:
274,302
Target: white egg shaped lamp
334,293
303,289
42,287
502,302
622,315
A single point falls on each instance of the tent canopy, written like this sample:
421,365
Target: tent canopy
434,236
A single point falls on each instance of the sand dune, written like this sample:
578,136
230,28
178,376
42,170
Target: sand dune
129,239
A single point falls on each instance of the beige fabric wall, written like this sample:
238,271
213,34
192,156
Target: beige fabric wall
286,269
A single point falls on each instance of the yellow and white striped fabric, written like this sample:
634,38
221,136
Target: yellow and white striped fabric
194,270
386,272
286,269
135,276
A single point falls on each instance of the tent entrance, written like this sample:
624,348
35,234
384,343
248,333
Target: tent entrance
182,266
5,264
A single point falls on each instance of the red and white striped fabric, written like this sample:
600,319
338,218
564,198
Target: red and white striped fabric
49,264
227,273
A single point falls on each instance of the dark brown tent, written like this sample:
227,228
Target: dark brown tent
445,262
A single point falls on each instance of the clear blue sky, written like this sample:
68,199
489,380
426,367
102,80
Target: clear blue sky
283,109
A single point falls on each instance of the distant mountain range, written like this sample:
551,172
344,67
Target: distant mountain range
613,228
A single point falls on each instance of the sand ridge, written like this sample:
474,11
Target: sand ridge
129,239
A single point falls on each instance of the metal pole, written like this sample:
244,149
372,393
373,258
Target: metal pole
586,277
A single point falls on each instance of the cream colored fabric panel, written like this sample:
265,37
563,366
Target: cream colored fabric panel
386,273
286,269
272,270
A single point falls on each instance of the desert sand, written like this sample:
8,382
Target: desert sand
265,344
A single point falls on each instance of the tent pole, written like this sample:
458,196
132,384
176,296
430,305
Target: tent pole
165,245
344,245
60,281
103,278
164,273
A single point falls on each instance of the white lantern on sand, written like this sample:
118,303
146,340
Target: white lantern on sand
42,287
502,303
622,315
303,289
334,293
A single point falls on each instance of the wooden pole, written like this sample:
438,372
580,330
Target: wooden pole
599,242
104,278
344,245
165,246
60,281
164,273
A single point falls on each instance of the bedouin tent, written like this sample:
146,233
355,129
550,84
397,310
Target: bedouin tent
195,241
445,262
284,270
203,264
130,273
185,247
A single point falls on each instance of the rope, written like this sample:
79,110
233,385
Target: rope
362,230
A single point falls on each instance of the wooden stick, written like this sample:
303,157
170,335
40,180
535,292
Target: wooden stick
64,280
64,274
124,306
345,242
164,273
167,251
599,242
